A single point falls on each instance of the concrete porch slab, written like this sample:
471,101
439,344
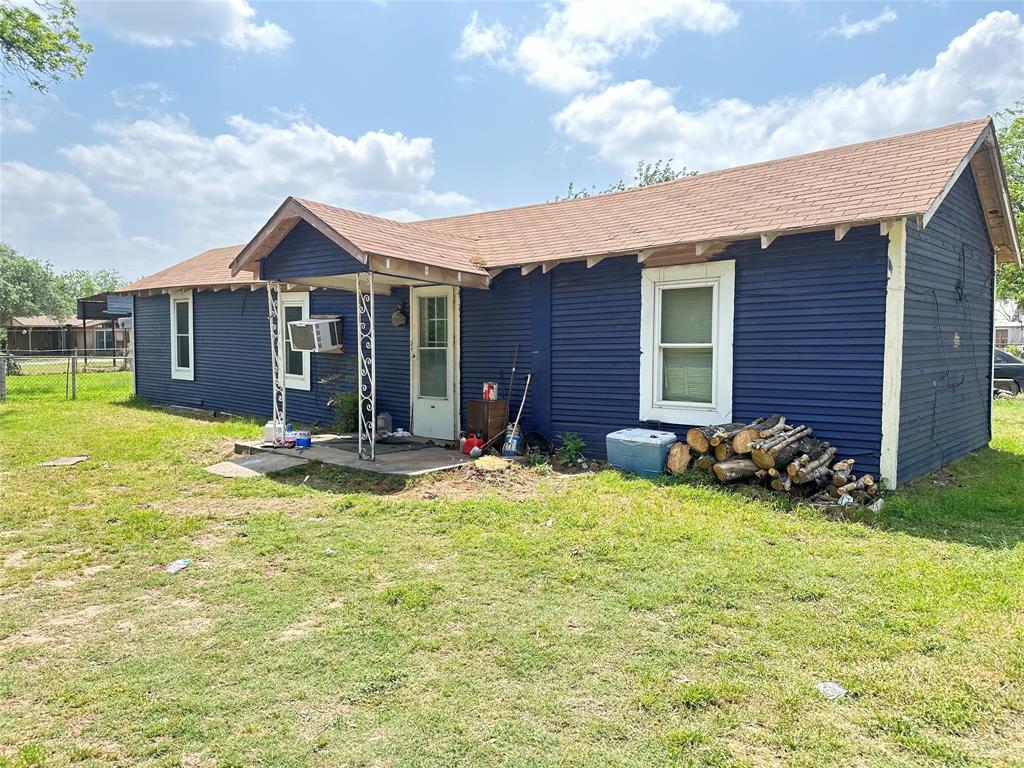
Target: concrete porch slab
255,465
408,463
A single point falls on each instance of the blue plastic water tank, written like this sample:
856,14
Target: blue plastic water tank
641,451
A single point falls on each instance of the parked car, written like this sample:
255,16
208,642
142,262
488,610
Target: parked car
1010,368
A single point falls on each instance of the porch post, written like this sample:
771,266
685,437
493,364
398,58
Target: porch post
277,367
366,379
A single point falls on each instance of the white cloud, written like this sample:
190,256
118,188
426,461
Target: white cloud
15,118
56,217
164,23
489,41
142,97
580,39
219,189
980,71
848,29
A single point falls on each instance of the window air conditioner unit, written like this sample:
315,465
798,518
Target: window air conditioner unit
318,335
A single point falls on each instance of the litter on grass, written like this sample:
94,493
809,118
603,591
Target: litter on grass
178,565
831,690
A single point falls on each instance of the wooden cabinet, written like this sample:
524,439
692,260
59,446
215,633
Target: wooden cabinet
486,418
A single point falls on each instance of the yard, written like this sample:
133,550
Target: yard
596,620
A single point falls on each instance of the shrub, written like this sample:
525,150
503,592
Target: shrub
13,366
346,411
1016,351
571,449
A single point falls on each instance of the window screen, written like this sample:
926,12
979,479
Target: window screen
686,344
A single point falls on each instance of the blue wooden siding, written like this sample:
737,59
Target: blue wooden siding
392,356
809,336
945,400
492,323
232,356
304,252
808,340
595,349
231,352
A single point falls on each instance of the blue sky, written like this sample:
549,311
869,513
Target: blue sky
195,119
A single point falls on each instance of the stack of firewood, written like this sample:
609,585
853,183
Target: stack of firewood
782,456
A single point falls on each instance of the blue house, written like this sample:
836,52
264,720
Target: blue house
850,289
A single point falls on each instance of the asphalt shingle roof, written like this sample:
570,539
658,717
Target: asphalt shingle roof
871,181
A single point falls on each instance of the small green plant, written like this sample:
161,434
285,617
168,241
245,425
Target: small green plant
346,411
537,459
344,399
571,449
1014,350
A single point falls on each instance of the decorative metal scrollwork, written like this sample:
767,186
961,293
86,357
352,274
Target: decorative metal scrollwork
366,366
276,317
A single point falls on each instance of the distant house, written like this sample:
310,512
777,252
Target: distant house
41,333
850,289
1009,325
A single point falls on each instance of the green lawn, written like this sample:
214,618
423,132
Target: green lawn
600,620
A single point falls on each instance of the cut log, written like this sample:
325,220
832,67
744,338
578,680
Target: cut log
839,490
819,473
773,456
698,438
782,483
727,432
678,458
842,477
813,487
705,461
846,465
822,459
774,428
734,469
724,451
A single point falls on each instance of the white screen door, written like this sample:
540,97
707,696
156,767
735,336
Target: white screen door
434,355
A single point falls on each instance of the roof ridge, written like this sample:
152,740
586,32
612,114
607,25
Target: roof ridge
699,177
305,201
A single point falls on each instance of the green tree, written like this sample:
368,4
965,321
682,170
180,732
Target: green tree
1010,131
41,45
645,175
32,287
27,286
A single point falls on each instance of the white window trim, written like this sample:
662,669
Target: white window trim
721,275
291,381
177,372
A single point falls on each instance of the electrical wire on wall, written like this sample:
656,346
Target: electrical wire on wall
953,380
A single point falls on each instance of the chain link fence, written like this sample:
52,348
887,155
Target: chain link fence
66,374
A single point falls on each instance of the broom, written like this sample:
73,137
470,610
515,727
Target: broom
509,448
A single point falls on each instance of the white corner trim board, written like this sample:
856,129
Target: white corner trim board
892,366
721,275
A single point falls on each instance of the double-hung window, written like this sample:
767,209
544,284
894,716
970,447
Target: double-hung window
182,348
295,306
686,343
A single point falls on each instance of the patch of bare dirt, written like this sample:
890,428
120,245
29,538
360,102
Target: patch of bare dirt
488,474
939,478
228,508
16,559
58,629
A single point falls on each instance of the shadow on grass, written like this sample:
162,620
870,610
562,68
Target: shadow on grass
343,480
201,414
977,500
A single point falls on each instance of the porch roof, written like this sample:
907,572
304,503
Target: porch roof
870,182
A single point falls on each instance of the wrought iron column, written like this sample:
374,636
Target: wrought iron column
366,375
277,369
